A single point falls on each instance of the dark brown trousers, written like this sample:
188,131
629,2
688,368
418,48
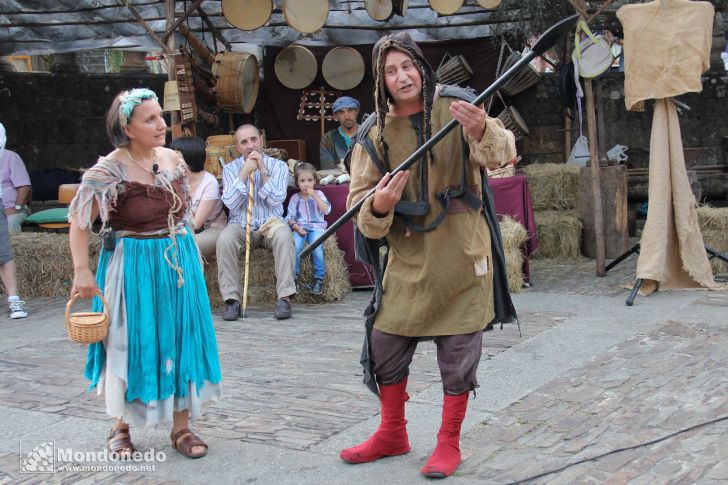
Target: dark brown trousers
457,356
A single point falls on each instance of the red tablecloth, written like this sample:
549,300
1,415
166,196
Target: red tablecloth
512,198
359,273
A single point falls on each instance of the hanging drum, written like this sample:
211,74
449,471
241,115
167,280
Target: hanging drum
381,10
453,70
236,81
343,68
489,4
400,7
446,7
247,14
295,67
523,80
306,16
512,120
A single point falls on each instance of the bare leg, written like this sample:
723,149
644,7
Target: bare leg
8,275
181,420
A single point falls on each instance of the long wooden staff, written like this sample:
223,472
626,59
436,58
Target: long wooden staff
248,224
543,44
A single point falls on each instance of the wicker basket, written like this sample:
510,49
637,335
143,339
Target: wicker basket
87,327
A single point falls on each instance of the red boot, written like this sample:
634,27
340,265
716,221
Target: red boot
446,457
390,438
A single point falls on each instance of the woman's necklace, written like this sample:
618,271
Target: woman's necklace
155,165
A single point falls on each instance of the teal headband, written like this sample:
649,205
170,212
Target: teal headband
131,100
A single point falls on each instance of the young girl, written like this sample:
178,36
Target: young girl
306,211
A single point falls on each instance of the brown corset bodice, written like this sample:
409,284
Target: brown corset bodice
142,207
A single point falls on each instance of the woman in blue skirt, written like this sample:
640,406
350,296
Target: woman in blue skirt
159,362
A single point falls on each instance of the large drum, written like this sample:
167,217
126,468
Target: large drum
236,81
446,7
381,10
306,16
489,4
247,14
295,67
343,68
220,151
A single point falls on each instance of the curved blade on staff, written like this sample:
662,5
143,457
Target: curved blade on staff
545,42
248,224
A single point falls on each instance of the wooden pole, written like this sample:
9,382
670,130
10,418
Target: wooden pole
596,178
596,175
601,127
248,224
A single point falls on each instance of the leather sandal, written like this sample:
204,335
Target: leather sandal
119,441
184,440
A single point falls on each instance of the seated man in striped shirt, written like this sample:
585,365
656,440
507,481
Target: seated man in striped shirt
268,228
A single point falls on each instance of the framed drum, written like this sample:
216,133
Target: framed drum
295,67
524,79
236,81
343,68
446,7
381,10
306,16
513,121
247,14
453,69
400,7
489,4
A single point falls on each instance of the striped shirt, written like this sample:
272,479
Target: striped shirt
268,199
306,213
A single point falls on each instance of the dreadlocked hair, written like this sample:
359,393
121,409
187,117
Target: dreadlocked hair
404,43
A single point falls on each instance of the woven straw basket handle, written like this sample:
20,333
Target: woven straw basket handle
74,297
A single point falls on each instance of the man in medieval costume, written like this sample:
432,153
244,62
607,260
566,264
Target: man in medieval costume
443,277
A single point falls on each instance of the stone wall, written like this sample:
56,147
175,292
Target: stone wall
56,120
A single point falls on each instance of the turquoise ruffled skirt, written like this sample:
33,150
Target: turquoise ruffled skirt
161,353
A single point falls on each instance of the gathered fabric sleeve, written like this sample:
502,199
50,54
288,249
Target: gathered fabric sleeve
292,215
100,183
497,146
328,204
365,176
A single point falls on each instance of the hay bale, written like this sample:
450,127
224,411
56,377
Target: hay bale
45,268
714,226
514,236
262,287
44,263
559,235
553,186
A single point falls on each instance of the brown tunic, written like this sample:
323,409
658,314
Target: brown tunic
437,282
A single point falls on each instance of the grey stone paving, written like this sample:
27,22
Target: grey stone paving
586,376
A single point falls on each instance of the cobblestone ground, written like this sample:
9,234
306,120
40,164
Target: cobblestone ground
653,410
639,413
288,384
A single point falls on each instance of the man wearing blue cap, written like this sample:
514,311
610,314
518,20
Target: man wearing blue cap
335,143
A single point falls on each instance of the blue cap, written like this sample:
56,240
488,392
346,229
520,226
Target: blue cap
344,102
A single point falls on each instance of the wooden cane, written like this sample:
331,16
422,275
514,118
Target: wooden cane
248,224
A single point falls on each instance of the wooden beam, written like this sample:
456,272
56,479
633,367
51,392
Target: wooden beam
214,29
176,120
149,30
181,19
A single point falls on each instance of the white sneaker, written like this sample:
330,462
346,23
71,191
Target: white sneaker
17,309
